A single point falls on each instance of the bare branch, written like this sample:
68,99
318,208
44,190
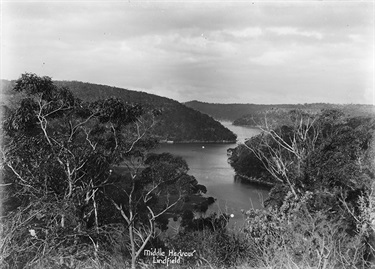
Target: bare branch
75,128
119,208
93,146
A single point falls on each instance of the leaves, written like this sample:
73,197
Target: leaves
33,85
60,149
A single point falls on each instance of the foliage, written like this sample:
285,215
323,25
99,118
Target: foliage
80,188
176,121
56,158
324,167
77,178
254,114
295,237
326,151
244,162
215,246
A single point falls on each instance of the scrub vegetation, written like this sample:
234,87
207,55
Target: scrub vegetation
80,189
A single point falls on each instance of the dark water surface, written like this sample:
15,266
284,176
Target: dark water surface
208,163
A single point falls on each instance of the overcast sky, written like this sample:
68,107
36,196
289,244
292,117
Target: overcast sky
222,52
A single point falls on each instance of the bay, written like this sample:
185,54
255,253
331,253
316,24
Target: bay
208,163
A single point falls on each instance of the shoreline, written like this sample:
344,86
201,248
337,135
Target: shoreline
199,142
255,180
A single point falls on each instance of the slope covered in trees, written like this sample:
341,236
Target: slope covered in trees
176,121
80,190
229,112
279,115
254,114
320,212
78,182
322,165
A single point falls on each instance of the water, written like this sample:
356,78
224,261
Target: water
208,163
241,131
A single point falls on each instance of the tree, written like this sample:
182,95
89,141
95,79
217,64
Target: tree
57,157
77,174
152,189
284,151
328,159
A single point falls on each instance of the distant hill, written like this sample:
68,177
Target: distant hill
229,112
252,114
177,123
278,115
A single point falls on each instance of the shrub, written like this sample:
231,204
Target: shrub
292,235
214,245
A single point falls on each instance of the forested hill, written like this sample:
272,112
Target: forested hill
224,111
252,114
177,122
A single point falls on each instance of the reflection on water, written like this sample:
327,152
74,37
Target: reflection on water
208,163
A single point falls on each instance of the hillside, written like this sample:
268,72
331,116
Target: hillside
279,114
177,123
253,114
229,112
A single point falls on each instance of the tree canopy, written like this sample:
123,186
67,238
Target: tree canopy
78,175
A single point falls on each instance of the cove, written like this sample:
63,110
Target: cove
208,163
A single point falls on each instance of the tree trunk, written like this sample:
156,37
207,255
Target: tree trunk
132,245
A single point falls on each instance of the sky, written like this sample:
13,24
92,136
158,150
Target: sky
267,52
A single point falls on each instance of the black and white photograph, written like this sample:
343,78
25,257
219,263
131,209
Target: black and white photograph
187,134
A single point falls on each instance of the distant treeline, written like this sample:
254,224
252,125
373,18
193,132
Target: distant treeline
254,114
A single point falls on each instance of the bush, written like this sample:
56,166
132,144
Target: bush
294,235
214,244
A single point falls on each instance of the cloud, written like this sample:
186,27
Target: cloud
268,52
275,57
290,31
248,32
